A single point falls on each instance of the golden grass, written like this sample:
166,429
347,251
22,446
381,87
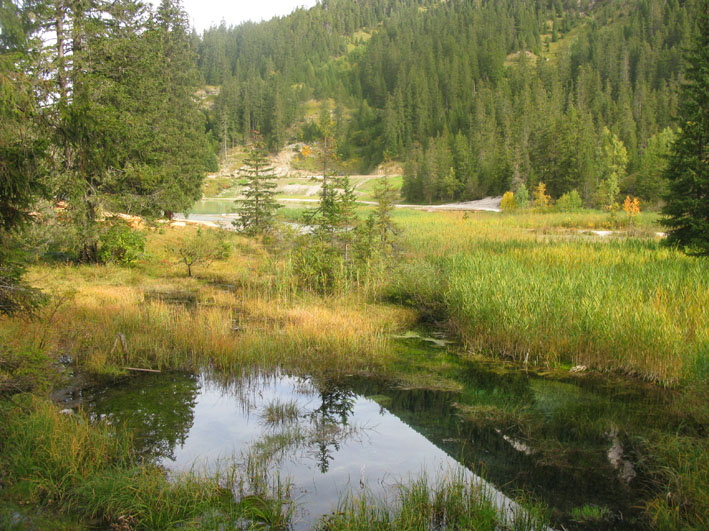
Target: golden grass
232,315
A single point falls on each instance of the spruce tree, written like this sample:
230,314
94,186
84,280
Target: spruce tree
23,146
687,207
386,196
23,157
258,209
179,154
121,123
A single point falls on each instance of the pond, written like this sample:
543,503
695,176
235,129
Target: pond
215,206
568,442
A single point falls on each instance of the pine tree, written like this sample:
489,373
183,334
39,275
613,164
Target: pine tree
257,211
687,207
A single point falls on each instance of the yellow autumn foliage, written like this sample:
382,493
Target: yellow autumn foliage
541,199
631,206
508,202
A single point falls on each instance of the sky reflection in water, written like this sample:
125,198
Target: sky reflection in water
344,440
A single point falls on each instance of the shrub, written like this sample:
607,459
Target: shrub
201,247
522,196
541,199
569,202
508,202
631,207
26,369
607,193
121,245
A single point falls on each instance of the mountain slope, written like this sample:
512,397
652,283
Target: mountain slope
477,97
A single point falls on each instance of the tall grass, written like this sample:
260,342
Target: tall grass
682,475
242,312
550,298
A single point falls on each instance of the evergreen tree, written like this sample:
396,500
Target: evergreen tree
23,157
117,103
687,207
23,143
257,211
650,183
346,216
385,228
441,73
179,153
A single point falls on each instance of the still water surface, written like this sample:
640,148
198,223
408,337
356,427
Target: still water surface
555,441
339,442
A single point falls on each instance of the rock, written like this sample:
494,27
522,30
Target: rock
625,468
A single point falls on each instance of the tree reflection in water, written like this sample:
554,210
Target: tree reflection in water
336,406
157,409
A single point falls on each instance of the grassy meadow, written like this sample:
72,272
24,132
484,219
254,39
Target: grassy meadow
537,289
244,311
544,289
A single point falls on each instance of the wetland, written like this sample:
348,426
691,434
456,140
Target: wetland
573,443
502,372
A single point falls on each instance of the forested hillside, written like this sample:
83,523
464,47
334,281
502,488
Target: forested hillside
476,97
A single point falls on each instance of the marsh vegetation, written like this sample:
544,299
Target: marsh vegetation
523,298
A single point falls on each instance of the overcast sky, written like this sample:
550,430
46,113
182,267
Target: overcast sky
205,13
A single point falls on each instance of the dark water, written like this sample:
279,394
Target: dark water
569,444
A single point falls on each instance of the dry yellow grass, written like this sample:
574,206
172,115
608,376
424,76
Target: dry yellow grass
231,316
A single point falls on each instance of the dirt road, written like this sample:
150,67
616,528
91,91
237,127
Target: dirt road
488,204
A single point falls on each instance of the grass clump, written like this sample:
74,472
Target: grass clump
69,465
453,503
24,368
682,477
590,514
